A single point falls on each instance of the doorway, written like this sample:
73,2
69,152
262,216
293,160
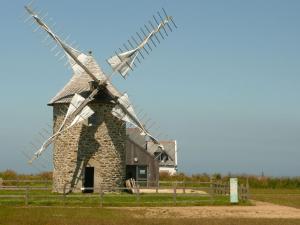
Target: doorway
88,182
131,172
137,172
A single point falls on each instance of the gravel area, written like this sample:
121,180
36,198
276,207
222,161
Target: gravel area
258,210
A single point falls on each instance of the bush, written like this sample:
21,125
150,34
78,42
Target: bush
252,180
8,175
12,175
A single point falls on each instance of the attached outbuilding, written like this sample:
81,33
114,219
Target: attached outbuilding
140,164
167,159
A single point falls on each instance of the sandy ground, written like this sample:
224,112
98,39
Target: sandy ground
259,210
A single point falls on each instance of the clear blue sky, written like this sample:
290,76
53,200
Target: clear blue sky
225,84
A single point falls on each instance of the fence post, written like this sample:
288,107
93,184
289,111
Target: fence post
138,194
101,197
227,188
174,194
157,186
247,189
183,187
26,195
1,182
243,192
64,194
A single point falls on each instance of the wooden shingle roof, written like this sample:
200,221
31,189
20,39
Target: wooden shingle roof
79,84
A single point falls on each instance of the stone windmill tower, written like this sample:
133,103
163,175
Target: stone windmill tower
95,148
90,115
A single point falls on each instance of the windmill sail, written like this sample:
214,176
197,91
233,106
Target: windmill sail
123,62
127,115
124,111
83,115
78,61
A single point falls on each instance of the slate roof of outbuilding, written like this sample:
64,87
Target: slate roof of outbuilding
169,148
169,145
134,134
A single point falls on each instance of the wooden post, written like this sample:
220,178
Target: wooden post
101,197
27,195
243,192
64,194
183,187
157,186
221,189
174,195
247,189
138,194
211,185
1,182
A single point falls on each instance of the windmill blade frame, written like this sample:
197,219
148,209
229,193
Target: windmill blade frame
84,114
78,63
122,62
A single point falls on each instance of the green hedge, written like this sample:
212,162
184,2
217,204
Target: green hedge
254,181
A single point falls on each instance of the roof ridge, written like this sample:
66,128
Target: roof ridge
79,83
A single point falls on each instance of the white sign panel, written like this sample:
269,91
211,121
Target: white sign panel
234,197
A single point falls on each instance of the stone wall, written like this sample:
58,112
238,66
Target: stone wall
101,146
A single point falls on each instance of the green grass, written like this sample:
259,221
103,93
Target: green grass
288,197
47,198
113,216
82,209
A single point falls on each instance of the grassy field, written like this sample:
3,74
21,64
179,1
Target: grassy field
47,198
112,216
79,210
288,197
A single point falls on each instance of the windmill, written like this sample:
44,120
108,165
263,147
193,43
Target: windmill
89,74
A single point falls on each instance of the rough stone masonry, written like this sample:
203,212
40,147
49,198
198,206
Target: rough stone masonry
100,145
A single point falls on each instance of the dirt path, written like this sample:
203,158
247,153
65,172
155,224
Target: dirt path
259,210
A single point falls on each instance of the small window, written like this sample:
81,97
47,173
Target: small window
142,172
